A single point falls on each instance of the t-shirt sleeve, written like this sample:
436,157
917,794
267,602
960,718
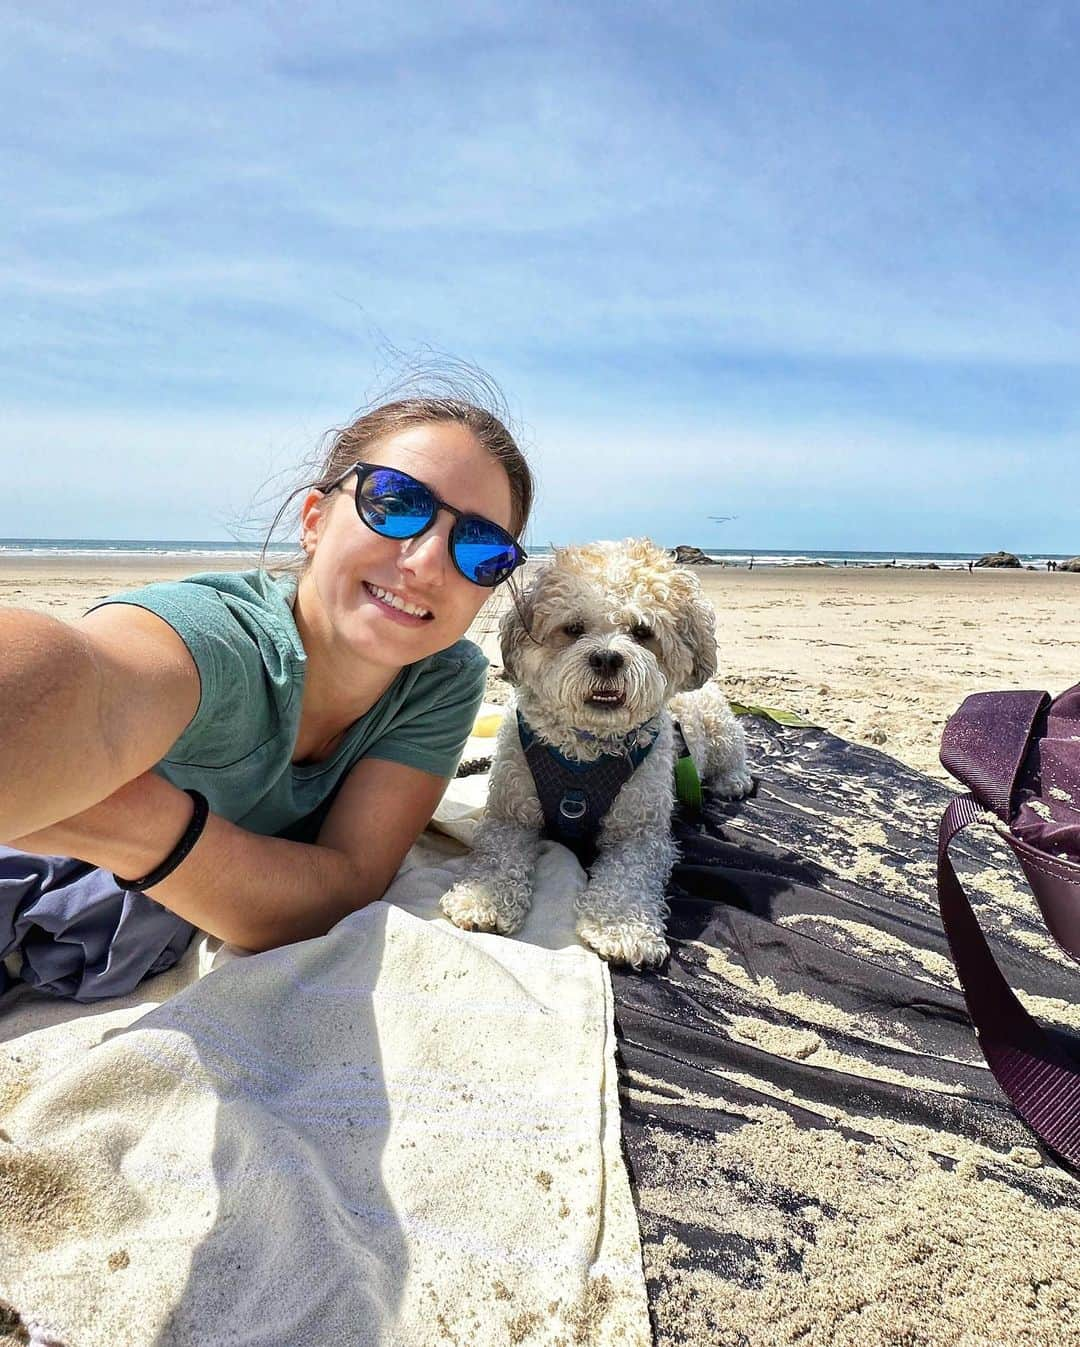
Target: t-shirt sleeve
243,673
431,729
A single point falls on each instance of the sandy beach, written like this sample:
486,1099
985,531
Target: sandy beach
877,655
880,656
884,656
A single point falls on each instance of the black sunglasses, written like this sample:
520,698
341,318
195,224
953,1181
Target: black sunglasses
395,505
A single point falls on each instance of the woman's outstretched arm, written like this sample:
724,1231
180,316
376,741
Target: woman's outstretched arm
252,891
84,708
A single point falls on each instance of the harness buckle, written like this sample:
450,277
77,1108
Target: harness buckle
573,805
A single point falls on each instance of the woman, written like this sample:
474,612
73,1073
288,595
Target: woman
256,753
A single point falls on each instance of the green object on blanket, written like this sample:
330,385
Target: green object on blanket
687,781
770,713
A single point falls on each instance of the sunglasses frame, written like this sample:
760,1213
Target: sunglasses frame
363,472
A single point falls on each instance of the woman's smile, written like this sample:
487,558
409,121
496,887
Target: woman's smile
396,607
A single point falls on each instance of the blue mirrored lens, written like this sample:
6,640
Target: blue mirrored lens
484,553
395,504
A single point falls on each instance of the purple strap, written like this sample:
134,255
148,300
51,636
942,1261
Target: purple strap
1039,1077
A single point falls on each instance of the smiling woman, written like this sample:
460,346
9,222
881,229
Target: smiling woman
261,748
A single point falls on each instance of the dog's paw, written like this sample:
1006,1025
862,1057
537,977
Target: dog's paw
473,907
638,946
733,785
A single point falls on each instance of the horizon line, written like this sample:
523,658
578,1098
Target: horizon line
741,550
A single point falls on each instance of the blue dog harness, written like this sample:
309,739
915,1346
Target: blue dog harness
575,796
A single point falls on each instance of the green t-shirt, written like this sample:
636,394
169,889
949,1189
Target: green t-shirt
237,749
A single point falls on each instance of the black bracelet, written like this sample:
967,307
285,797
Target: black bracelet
192,833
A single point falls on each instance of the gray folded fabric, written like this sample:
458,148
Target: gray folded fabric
80,936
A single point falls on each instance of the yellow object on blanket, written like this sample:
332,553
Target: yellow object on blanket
488,720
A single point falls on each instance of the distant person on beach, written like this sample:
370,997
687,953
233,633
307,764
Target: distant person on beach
971,567
253,753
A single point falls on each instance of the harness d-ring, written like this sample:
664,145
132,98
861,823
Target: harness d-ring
573,805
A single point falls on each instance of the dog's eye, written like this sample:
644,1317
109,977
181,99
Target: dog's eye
641,631
574,630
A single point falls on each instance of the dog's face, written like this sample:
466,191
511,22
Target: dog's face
607,633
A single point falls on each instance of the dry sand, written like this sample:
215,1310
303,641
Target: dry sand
877,655
884,656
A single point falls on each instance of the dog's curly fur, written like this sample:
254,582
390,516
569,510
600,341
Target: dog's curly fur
595,607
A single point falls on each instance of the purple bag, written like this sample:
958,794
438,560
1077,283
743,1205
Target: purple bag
1019,755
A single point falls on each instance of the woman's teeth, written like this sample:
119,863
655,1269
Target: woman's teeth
392,599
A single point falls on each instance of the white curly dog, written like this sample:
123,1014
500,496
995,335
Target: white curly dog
610,646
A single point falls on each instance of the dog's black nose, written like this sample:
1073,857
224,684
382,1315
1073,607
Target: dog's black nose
606,662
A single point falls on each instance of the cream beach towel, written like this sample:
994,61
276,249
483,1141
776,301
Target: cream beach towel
400,1133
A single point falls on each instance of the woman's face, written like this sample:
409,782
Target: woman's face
353,570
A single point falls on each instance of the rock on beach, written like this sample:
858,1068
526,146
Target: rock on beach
693,556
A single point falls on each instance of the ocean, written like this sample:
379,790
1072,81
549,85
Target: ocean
201,551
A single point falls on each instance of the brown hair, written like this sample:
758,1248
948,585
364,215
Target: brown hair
350,443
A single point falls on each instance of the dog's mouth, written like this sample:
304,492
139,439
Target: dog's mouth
608,698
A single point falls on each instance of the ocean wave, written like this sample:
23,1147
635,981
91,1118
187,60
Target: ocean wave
103,549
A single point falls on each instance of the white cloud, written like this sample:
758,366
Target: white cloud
207,209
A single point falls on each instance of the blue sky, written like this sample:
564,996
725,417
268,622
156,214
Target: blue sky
811,264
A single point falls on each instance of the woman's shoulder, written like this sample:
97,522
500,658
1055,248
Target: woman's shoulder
259,588
449,676
462,655
239,630
424,719
254,600
459,670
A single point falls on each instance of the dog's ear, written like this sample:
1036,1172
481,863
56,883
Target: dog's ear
514,633
696,629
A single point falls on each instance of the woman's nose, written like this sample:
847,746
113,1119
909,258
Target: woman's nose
427,557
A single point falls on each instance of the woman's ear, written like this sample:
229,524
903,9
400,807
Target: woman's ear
313,513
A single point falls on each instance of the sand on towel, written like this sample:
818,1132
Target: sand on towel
400,1133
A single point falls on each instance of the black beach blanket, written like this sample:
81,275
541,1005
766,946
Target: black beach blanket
818,1151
